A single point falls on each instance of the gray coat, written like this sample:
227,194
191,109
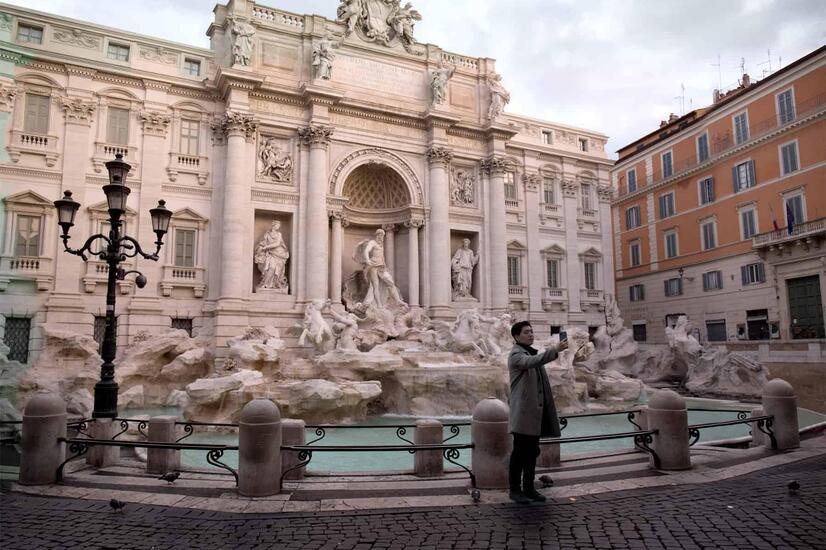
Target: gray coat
531,396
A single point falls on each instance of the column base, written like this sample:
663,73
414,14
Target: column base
441,312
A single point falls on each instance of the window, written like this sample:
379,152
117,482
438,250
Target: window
713,280
637,293
182,324
635,254
671,250
185,247
27,236
590,275
632,217
583,145
666,205
788,156
189,137
795,213
585,192
741,128
757,321
668,168
674,287
632,180
716,330
753,273
514,271
548,191
192,67
100,330
639,332
785,107
706,190
748,223
117,52
29,33
510,186
708,231
547,137
552,267
743,176
117,126
702,148
16,337
555,329
36,116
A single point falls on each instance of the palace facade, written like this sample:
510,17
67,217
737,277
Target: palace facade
334,128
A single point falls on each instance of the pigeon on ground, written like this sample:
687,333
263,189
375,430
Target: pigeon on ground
546,480
116,505
793,486
170,477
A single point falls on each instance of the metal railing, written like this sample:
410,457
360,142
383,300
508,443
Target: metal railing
813,227
764,424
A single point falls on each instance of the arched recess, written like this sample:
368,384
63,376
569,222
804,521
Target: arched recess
354,160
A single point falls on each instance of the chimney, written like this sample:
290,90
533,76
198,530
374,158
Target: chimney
746,80
717,97
672,117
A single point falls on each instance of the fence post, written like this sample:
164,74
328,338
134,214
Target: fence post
491,444
259,449
780,402
44,421
667,413
292,431
758,438
428,463
101,456
161,461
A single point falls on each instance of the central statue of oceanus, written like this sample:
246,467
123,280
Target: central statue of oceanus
381,288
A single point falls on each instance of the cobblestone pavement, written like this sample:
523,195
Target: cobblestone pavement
752,511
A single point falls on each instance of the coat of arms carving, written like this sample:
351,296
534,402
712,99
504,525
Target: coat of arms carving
380,21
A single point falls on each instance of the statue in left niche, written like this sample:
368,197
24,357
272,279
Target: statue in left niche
323,57
271,255
242,33
275,163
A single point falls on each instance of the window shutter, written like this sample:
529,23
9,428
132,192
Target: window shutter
744,274
752,178
734,179
117,126
628,219
710,189
761,273
642,292
662,206
36,114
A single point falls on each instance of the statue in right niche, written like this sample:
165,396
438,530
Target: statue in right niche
271,255
461,267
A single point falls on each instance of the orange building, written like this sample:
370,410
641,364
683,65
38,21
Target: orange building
721,216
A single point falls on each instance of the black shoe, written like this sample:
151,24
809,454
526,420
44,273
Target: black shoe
534,495
518,497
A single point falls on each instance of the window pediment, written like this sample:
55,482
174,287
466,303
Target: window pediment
591,254
553,252
101,211
28,198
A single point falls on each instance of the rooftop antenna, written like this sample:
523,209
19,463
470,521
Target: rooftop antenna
768,62
681,97
719,74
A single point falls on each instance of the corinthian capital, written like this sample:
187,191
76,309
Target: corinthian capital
236,123
7,95
569,188
495,165
316,134
155,123
439,156
77,110
605,193
532,181
414,222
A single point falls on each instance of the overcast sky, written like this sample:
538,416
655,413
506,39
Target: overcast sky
614,66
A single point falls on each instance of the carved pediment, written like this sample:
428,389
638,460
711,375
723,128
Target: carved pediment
188,214
591,253
27,198
554,250
516,245
101,209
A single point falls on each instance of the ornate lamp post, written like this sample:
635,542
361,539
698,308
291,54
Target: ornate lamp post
114,249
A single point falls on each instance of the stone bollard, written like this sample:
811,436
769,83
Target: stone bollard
162,430
758,438
44,421
668,414
101,456
259,449
428,463
292,432
491,444
640,417
780,401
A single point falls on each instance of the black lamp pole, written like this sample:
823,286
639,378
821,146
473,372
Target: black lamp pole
115,249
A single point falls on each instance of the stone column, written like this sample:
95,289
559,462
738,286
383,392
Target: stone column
390,247
101,456
495,166
259,449
293,434
439,230
780,401
605,195
318,139
240,130
667,413
413,225
572,265
535,279
44,421
338,222
161,461
428,463
492,444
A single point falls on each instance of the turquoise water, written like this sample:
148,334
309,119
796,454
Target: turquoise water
375,461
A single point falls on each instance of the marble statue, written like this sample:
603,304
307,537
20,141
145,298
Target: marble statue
380,20
463,188
275,163
461,266
465,335
347,327
381,287
499,330
323,57
271,255
315,329
499,96
401,20
438,83
242,33
349,12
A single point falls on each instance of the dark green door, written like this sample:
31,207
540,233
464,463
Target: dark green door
806,308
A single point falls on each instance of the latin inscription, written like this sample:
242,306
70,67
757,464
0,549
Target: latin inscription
279,56
379,77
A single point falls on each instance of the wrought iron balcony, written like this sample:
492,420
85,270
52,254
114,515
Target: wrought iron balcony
806,233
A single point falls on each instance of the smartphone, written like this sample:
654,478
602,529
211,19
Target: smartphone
563,336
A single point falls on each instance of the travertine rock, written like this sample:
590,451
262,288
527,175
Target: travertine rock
80,403
131,398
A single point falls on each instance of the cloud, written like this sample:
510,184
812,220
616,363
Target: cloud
612,66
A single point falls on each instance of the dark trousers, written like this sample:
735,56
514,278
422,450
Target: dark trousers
523,462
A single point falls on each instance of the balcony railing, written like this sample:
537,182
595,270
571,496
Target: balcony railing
590,296
512,203
724,143
35,268
187,164
183,277
806,229
587,212
516,290
104,152
97,272
32,143
550,208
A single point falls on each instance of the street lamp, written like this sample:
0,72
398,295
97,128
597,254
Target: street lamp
115,248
